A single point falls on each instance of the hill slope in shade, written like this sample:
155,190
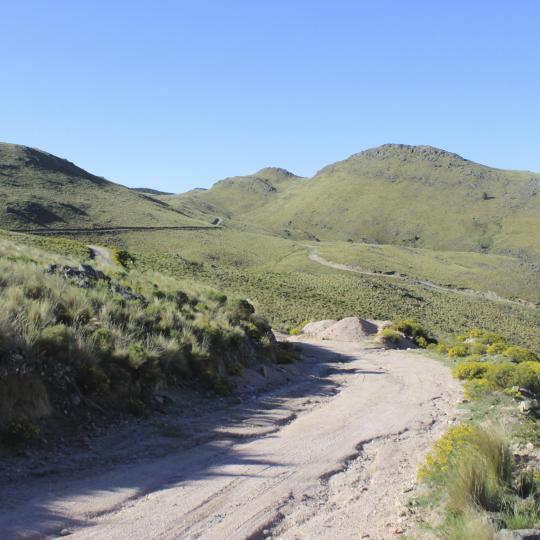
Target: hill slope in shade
38,190
416,196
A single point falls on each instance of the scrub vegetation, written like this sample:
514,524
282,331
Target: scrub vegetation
72,335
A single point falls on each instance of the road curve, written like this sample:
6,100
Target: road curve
338,460
488,295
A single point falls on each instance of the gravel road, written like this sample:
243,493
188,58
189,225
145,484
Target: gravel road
330,454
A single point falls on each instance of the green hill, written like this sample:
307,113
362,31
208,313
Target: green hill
40,190
233,197
415,196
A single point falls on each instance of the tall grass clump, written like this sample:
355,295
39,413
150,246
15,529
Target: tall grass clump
114,339
473,471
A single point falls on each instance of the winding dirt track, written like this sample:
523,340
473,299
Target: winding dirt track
488,295
332,454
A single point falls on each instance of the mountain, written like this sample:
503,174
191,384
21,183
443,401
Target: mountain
395,194
39,190
237,195
150,191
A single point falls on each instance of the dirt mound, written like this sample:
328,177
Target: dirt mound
314,328
349,329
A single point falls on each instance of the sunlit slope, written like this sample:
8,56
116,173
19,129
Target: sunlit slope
395,194
414,196
233,197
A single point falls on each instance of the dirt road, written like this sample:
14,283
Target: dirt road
487,295
331,454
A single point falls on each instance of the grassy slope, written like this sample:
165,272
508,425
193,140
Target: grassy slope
111,340
234,196
288,288
402,195
507,276
40,190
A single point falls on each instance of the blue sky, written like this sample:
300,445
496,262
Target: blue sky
174,94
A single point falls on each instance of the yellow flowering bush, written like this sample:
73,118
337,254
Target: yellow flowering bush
471,370
476,388
447,450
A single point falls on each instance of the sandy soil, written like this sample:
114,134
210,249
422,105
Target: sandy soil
332,453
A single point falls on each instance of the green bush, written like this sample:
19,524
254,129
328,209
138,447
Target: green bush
103,339
527,375
458,351
502,375
471,370
410,328
55,339
240,309
91,379
122,257
520,354
477,348
496,348
136,407
234,368
137,355
390,337
20,432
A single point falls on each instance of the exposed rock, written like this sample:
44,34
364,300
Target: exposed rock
521,534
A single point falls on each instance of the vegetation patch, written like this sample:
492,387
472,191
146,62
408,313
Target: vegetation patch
112,340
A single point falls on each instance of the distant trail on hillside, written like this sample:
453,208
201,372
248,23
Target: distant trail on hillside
100,230
313,256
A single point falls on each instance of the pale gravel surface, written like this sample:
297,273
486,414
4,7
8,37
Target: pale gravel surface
330,454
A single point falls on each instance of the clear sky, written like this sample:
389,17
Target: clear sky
178,94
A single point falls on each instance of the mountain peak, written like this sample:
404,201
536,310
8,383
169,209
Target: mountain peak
407,151
16,156
275,173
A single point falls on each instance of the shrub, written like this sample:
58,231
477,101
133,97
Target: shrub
91,379
446,451
527,375
137,355
411,329
442,348
476,388
520,354
486,337
496,348
477,348
502,375
295,331
136,407
471,370
217,297
390,337
103,339
240,309
122,257
458,351
54,339
482,474
234,368
20,432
